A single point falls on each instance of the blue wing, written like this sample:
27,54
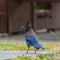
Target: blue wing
30,41
33,41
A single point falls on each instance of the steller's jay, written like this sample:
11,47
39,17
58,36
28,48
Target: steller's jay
31,38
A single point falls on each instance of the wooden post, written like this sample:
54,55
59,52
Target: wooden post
32,15
8,18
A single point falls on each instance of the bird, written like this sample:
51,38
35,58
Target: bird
31,38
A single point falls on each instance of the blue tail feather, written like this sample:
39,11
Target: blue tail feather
38,46
33,41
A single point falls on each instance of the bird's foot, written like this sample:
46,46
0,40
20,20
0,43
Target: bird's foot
35,51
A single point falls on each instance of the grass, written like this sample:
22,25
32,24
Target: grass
41,57
17,46
11,46
52,47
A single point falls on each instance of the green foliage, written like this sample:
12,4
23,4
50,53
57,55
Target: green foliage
17,46
38,6
11,46
41,57
58,52
45,57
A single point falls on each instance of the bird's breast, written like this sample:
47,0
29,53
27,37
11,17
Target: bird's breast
30,33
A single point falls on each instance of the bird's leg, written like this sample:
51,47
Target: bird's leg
35,51
28,49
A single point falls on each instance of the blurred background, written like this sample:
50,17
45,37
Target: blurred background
44,16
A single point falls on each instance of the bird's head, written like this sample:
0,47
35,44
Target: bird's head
27,26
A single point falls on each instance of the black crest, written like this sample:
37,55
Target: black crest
27,26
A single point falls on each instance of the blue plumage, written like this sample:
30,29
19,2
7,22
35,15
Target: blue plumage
33,41
31,37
